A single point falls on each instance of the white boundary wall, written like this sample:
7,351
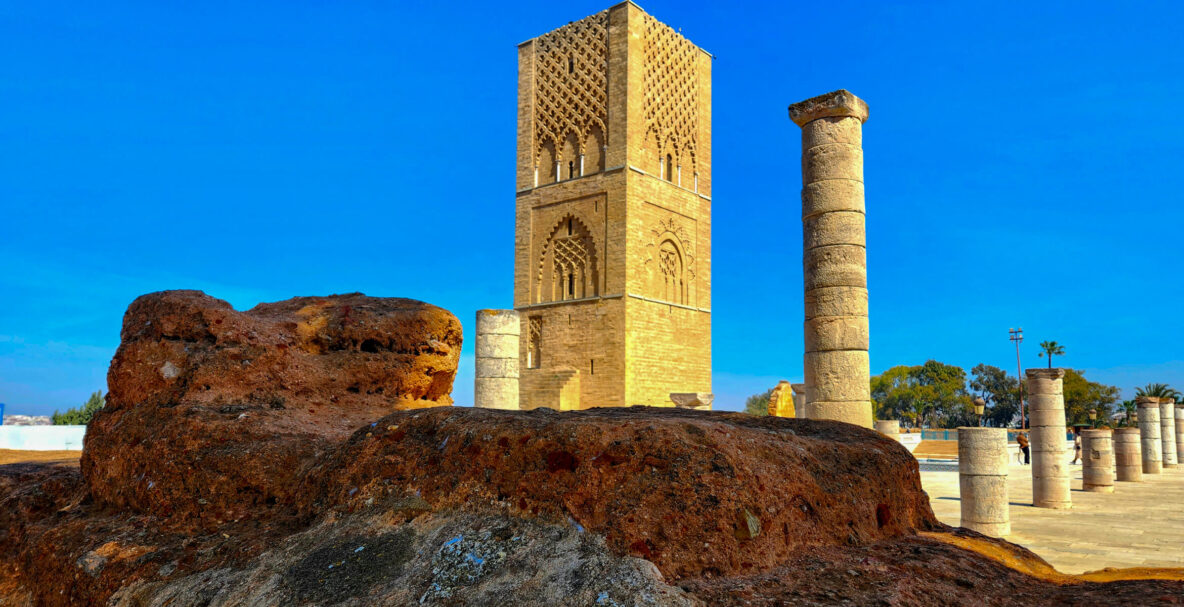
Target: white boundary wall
42,438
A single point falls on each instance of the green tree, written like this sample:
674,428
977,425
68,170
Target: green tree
758,404
1000,390
1081,395
1051,348
1128,407
933,393
1158,391
80,416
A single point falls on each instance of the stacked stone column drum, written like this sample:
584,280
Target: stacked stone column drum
1150,439
889,428
799,400
1050,464
1179,430
1167,431
1128,455
834,258
982,480
1097,461
496,382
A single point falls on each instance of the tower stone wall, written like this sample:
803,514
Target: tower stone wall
612,273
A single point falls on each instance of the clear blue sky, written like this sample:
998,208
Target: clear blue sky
1024,166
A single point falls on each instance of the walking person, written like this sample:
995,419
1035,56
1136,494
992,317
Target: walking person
1022,439
1076,446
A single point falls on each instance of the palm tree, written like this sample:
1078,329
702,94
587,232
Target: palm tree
1158,391
1051,348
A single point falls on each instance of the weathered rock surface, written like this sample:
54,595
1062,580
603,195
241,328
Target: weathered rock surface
602,507
213,414
693,492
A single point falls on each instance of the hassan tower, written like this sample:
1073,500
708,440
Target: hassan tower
612,252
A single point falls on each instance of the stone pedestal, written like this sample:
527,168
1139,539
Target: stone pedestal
1097,461
889,428
799,400
496,382
834,257
1128,455
982,478
1050,463
1167,431
1150,439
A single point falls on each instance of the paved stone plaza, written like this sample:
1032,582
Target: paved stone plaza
1139,525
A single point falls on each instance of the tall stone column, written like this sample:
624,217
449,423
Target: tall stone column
1179,431
982,480
1149,434
1167,431
834,259
1097,461
1128,455
496,382
1050,465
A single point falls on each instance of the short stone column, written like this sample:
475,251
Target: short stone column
1050,464
889,428
1167,431
496,382
834,257
1128,455
799,400
1150,440
982,478
1097,461
1179,431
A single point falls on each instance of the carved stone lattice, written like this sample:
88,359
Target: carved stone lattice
571,254
571,82
671,92
567,263
669,231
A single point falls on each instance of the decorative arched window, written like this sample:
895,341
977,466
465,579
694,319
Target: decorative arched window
669,172
546,166
568,267
594,150
670,268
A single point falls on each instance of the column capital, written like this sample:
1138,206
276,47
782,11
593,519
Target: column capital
1144,401
1054,373
834,104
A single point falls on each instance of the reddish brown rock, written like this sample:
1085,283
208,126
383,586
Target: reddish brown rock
697,494
472,507
214,413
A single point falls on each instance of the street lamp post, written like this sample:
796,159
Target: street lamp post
1017,336
979,406
1093,418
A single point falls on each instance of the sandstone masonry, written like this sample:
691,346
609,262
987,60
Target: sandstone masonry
496,381
612,251
1050,465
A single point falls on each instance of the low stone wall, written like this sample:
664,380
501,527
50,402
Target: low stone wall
42,438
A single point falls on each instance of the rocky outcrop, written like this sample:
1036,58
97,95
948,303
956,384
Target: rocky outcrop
603,507
280,457
694,493
213,414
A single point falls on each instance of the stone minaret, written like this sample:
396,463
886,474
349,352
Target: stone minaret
834,259
612,255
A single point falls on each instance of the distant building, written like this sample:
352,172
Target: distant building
25,420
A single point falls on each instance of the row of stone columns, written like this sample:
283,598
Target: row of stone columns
1126,454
